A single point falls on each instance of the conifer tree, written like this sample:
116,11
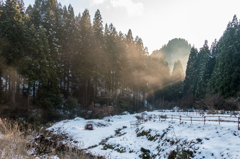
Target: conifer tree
48,94
177,74
86,68
49,23
12,34
191,70
112,48
68,39
177,78
34,65
99,52
201,79
208,72
226,70
35,13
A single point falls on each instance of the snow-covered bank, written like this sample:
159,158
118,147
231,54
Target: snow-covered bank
115,137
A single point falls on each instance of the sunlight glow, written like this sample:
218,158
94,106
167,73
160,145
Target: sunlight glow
157,22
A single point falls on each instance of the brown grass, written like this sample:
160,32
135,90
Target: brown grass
12,141
16,139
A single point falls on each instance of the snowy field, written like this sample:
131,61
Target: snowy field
125,137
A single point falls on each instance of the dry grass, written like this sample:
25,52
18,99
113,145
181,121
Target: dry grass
12,141
17,139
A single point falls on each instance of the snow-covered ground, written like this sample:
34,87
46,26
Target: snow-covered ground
118,138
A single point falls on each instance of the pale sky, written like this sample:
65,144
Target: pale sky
158,21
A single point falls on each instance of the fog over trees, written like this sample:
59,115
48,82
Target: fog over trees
176,49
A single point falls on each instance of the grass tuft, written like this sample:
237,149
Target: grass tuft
20,140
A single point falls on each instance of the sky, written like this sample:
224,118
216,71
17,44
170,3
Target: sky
158,21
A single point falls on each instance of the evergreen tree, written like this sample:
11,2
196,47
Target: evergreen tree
202,77
35,13
210,66
191,70
177,74
34,65
177,78
68,39
114,63
85,70
99,53
29,10
226,70
12,34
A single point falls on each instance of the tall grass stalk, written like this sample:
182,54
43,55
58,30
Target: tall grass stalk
15,143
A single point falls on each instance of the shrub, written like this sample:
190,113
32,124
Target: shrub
71,107
231,103
211,102
187,101
172,155
48,100
145,153
100,112
163,116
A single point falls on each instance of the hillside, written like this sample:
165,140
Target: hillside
176,49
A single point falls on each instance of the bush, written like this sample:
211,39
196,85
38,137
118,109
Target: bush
49,101
99,113
187,101
211,102
71,107
231,104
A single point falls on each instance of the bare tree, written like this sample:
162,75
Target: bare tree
211,101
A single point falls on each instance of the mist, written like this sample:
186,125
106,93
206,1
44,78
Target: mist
174,50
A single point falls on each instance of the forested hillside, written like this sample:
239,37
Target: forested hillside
213,73
54,65
55,62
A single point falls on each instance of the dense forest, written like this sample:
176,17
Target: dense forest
213,73
54,62
54,65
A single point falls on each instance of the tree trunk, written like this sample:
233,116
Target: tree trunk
6,85
144,99
94,89
87,93
13,88
68,83
28,94
34,89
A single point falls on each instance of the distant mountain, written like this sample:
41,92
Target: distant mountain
176,49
